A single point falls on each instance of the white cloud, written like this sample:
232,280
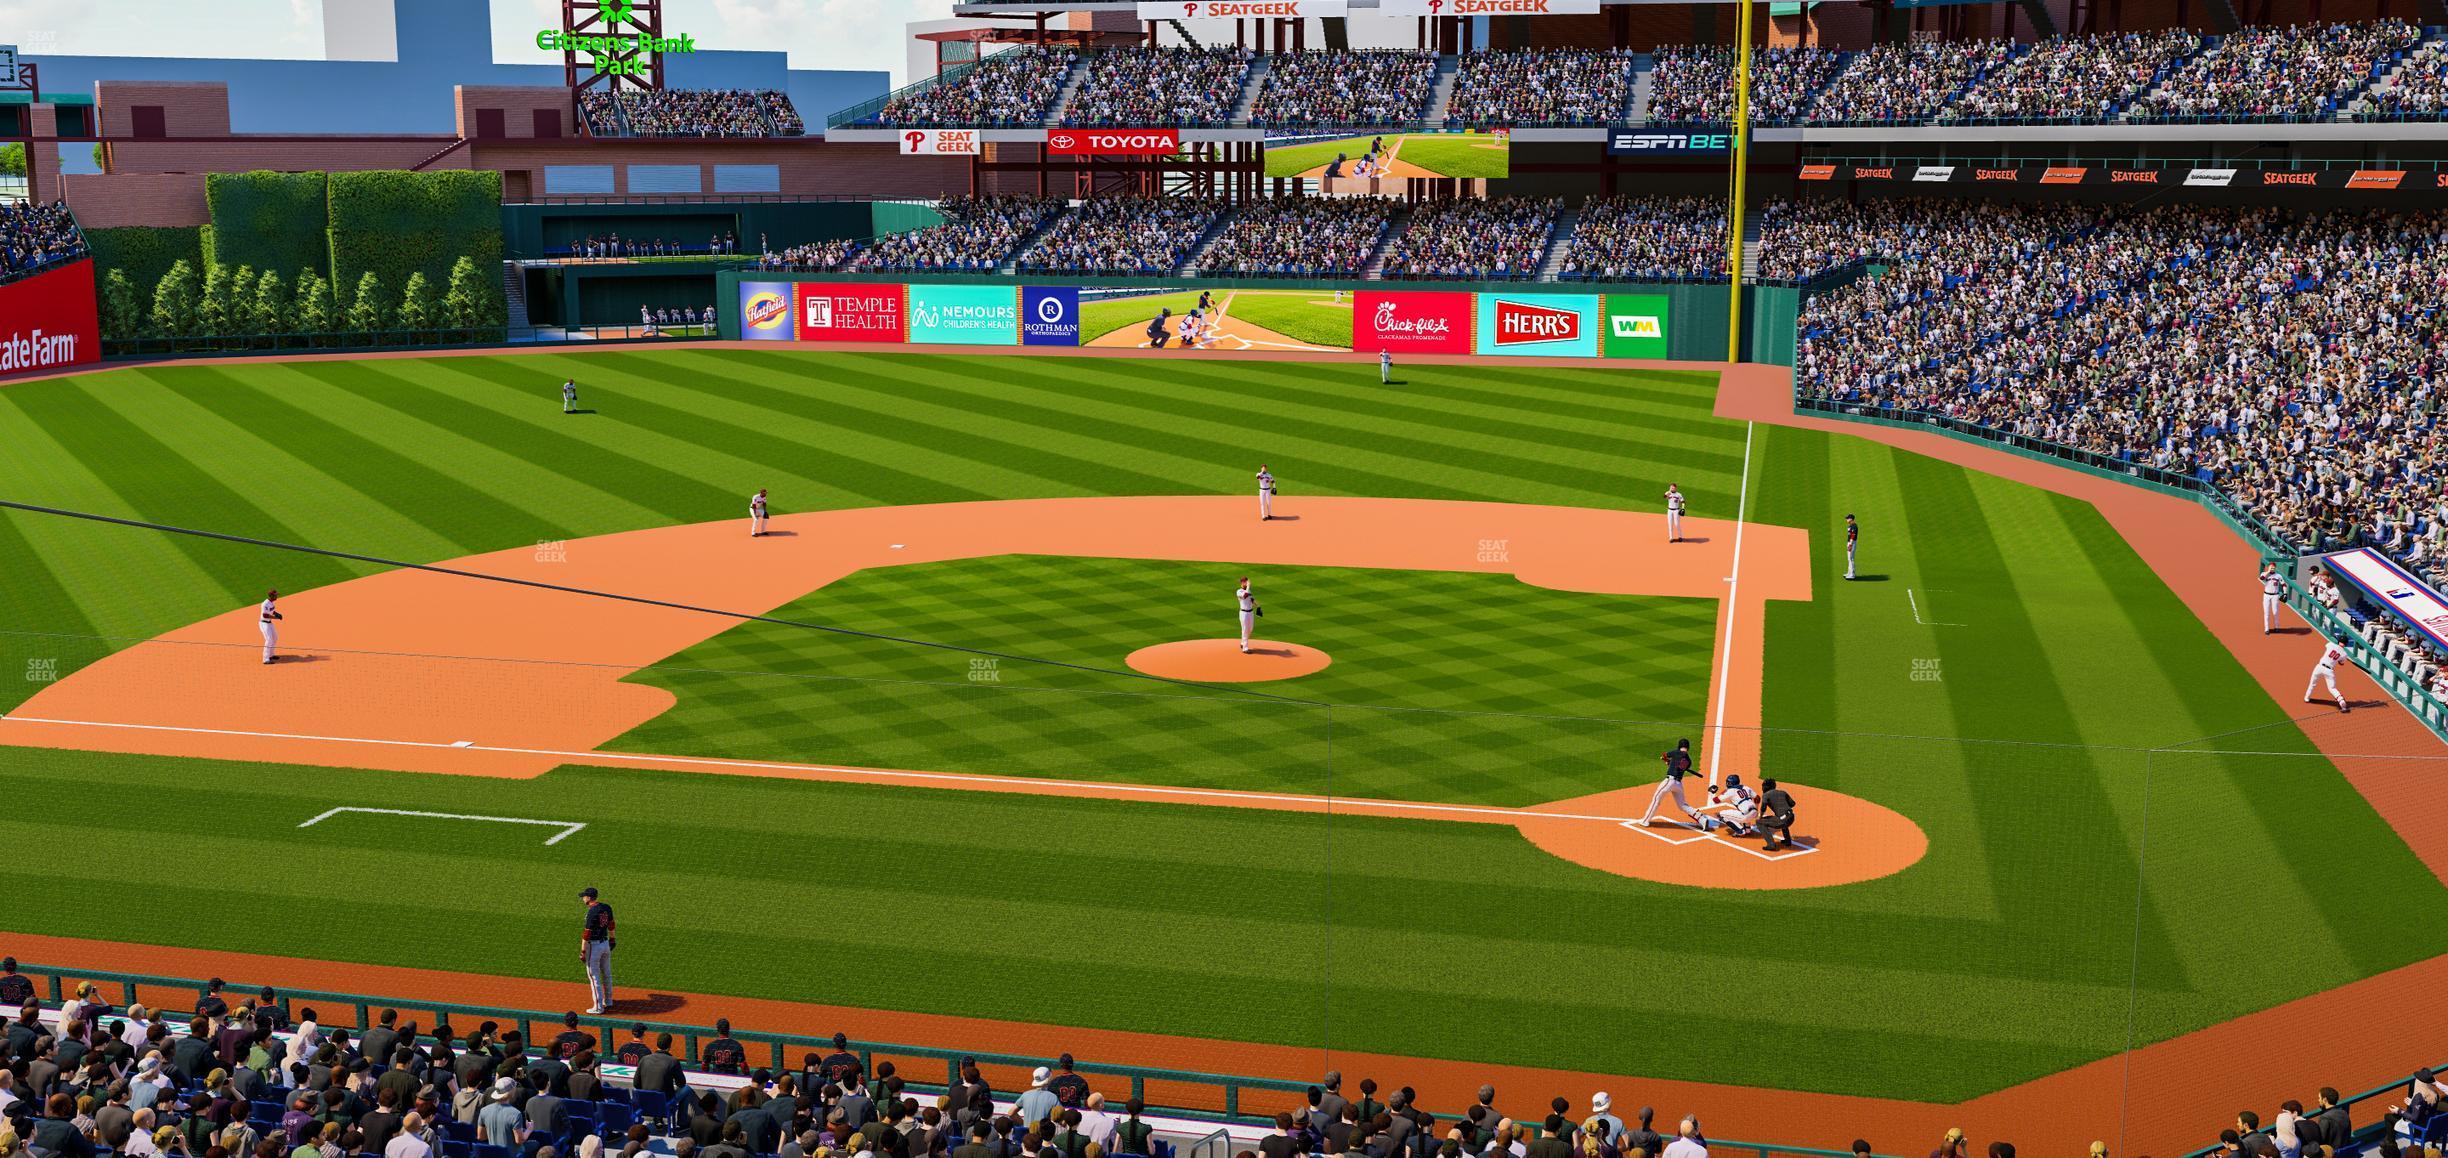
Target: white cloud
241,29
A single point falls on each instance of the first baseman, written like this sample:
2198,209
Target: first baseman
756,513
1266,494
1852,542
1674,514
2272,587
1678,765
1249,611
268,617
2324,672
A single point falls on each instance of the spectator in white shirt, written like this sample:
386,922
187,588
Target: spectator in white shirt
1689,1142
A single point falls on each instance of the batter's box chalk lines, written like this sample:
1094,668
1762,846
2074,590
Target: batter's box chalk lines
567,827
1648,831
1691,837
1916,610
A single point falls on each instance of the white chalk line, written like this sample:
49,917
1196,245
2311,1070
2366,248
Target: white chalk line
878,774
1916,610
567,827
1733,610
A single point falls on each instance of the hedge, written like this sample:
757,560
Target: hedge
268,220
145,252
398,223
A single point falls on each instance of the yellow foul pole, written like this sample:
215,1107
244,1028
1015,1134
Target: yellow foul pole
1735,180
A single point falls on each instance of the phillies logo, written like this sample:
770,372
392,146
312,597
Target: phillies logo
1435,7
1387,323
915,139
1518,323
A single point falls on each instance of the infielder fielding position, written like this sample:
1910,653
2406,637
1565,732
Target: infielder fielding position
1266,494
1674,514
268,617
756,513
2324,672
1248,604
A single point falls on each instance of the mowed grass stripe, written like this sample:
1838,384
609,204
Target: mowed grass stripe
556,440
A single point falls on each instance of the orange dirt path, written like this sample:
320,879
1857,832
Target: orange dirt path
1221,661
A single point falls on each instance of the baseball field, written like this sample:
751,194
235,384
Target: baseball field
900,755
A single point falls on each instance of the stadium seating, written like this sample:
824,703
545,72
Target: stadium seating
1300,237
2295,73
2417,90
1014,87
690,113
1549,87
1477,240
1907,83
2074,79
1123,235
36,237
977,236
1345,89
1186,88
1648,239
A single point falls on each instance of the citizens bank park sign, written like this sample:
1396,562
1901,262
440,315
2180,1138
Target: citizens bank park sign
2374,180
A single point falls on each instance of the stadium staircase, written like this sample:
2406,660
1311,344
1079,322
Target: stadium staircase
1751,246
1073,81
2382,79
1440,98
1249,92
1636,106
2133,108
1396,226
1206,241
514,296
1559,244
1011,261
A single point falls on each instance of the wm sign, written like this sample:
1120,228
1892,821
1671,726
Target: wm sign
1636,325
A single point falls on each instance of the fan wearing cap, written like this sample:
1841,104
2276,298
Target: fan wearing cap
502,1121
1037,1103
595,945
1602,1122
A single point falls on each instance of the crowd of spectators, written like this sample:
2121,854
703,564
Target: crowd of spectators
1906,82
1503,239
734,112
2418,87
1340,89
1013,87
813,257
1694,84
2296,72
33,237
1301,237
1124,235
1625,238
2292,361
1173,87
977,235
613,245
2075,78
1548,87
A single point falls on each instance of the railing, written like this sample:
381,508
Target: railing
2365,1134
385,341
1224,1105
870,107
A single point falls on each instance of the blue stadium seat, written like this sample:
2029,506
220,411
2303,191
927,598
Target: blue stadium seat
615,1118
457,1131
618,1095
265,1111
486,1150
454,1148
652,1106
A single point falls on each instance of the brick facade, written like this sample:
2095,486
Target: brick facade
104,200
189,108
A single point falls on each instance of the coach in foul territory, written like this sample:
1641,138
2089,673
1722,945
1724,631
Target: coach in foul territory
595,944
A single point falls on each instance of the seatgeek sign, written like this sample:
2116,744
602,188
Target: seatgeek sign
1242,9
48,322
1487,7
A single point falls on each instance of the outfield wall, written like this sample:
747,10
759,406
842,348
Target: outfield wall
1626,321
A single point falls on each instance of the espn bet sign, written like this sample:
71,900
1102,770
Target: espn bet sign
1636,325
616,53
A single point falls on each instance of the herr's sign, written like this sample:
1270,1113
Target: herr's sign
1241,9
1657,144
1487,7
1113,142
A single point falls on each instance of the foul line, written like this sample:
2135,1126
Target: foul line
1916,610
1017,785
567,827
1733,609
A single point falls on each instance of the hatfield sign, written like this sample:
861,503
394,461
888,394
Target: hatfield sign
1114,142
1241,9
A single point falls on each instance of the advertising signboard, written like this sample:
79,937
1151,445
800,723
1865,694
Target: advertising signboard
965,315
1049,315
1539,325
1638,325
1411,322
765,311
48,322
848,313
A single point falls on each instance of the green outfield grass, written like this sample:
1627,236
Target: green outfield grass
1501,685
2076,898
1448,154
1100,317
1301,315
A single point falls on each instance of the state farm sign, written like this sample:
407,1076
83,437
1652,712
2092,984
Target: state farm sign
47,322
1114,142
1487,7
1241,9
940,142
1411,322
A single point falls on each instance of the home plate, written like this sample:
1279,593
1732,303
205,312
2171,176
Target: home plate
463,743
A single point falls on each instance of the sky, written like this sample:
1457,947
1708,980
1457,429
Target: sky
818,34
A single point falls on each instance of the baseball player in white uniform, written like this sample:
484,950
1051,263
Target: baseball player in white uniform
1737,808
267,617
1249,611
1385,367
1266,494
1678,765
1852,543
2271,588
2325,672
1674,514
756,513
569,396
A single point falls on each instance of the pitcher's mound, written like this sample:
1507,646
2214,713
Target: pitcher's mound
1221,660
